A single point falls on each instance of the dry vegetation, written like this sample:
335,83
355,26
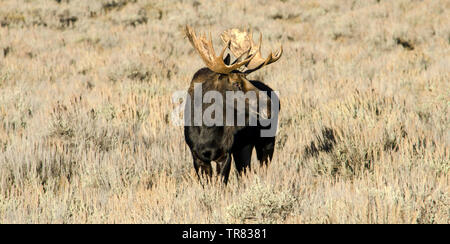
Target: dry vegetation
85,104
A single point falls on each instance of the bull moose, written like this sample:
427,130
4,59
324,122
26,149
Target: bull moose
221,143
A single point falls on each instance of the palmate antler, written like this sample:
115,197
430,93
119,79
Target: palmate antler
241,46
240,42
205,48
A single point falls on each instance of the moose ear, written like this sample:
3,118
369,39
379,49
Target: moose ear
227,60
248,86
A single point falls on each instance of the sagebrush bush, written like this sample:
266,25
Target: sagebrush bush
262,204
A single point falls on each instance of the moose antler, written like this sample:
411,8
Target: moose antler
240,41
205,48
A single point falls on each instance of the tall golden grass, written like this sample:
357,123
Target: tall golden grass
85,104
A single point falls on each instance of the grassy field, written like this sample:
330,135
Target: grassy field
85,105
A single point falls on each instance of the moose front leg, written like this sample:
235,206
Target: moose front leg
264,150
224,167
242,159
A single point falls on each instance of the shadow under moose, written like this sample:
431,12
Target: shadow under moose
244,115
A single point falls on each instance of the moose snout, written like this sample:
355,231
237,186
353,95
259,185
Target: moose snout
209,153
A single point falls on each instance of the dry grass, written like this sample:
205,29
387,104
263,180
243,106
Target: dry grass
85,103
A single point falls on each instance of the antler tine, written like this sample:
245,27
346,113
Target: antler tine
210,45
224,49
278,55
260,42
206,51
258,61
